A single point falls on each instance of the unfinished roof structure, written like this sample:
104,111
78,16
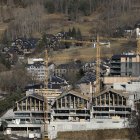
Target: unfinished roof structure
110,103
72,106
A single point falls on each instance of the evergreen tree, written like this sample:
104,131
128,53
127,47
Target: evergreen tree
69,32
85,7
73,32
78,34
50,6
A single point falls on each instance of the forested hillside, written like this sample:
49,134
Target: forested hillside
32,17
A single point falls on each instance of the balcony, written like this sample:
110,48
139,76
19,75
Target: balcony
115,71
71,114
115,66
115,61
113,112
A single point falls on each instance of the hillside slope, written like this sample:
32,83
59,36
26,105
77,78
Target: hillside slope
33,17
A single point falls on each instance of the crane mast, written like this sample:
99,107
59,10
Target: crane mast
98,61
45,99
138,46
46,73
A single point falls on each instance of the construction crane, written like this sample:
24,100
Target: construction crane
45,135
138,46
98,62
98,56
98,85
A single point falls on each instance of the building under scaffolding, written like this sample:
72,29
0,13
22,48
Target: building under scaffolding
71,106
109,104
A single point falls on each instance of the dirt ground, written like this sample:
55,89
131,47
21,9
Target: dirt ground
113,134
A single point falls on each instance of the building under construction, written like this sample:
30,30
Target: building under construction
70,110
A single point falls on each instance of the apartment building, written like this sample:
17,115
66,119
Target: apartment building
37,68
125,65
37,71
63,70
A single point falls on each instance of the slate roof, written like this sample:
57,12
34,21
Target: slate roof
137,25
56,82
37,64
54,86
87,78
57,79
127,28
34,86
26,43
122,55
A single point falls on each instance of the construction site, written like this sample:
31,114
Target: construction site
46,113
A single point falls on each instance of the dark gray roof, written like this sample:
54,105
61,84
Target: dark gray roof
122,55
56,82
27,43
56,79
87,78
38,64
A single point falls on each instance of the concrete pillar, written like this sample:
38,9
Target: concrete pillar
125,101
21,105
74,102
83,102
27,131
118,100
113,100
109,99
96,100
65,101
26,105
39,105
78,101
61,102
57,104
70,101
34,104
30,103
100,100
87,104
105,99
17,106
90,90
